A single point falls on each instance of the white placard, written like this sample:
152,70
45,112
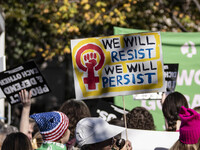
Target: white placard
151,140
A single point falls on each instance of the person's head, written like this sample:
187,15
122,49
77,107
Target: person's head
189,137
5,130
96,133
75,111
171,107
53,126
140,118
17,141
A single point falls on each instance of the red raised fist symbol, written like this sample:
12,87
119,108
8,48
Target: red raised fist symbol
90,59
90,62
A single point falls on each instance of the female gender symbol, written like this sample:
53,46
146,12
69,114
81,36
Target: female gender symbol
91,64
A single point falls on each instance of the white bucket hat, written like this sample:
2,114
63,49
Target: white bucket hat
92,130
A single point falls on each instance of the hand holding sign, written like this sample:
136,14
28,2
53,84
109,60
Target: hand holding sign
127,146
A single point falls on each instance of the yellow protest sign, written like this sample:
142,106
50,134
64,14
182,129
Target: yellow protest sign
118,65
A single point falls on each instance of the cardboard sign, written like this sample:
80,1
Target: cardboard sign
26,76
118,65
154,140
105,110
171,73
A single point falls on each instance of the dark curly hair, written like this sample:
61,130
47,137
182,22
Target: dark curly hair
75,111
140,118
171,107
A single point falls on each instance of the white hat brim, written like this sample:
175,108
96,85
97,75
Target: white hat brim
101,134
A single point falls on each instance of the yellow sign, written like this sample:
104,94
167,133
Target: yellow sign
118,65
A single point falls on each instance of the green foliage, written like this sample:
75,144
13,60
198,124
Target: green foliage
43,28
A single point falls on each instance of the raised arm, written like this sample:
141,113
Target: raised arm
25,98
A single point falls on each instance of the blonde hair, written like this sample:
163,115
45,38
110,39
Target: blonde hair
37,140
181,146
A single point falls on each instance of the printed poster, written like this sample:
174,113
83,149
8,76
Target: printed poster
25,76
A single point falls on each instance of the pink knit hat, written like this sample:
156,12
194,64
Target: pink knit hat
190,126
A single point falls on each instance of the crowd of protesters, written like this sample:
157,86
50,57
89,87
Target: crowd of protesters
71,127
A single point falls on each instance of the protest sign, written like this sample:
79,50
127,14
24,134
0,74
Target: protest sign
105,110
26,76
171,74
118,65
151,140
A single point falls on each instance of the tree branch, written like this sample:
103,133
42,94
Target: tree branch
178,23
197,4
